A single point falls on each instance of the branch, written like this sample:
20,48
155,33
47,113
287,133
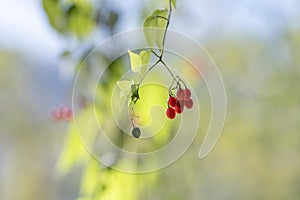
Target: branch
148,71
166,29
167,68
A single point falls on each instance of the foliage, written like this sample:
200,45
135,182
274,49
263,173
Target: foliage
257,156
79,17
74,16
154,27
260,150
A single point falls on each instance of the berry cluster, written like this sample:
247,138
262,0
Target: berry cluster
177,104
61,112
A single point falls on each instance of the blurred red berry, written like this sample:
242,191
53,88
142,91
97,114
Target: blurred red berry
55,113
180,94
172,101
67,113
187,94
170,112
179,106
188,103
61,112
180,103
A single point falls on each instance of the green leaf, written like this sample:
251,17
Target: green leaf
125,87
139,63
76,17
90,179
55,14
154,27
145,56
174,3
73,151
80,24
119,186
135,61
148,32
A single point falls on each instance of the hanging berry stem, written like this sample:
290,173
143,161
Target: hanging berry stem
160,57
177,95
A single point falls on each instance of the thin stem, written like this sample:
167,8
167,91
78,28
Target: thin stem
163,46
158,16
152,51
167,68
166,29
170,88
148,71
132,115
160,59
181,81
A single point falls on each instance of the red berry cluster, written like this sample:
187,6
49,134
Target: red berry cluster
177,104
61,112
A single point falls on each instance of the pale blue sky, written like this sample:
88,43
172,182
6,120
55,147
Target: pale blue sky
24,26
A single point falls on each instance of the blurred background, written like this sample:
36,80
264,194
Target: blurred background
255,44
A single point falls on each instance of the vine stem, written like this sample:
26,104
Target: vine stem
166,29
148,71
167,68
158,61
152,51
160,57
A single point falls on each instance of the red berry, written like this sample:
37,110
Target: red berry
180,103
178,110
180,94
187,94
188,103
179,106
172,101
55,113
170,112
67,113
